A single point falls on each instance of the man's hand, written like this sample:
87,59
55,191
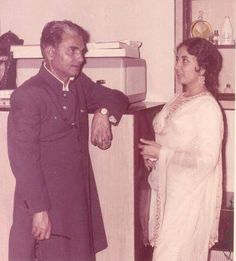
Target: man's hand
101,135
41,226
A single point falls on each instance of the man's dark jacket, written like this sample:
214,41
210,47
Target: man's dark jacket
48,152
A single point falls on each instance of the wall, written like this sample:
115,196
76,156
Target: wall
178,32
148,21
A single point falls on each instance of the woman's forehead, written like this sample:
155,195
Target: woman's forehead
183,52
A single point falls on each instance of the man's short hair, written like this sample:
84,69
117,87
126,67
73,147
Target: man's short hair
53,31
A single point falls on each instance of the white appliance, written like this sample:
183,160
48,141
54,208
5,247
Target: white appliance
122,73
125,74
117,68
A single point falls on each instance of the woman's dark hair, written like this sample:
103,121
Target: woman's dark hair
52,33
208,58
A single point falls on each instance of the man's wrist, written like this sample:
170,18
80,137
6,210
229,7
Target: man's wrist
105,112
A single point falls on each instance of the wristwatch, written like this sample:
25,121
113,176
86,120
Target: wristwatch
111,118
104,111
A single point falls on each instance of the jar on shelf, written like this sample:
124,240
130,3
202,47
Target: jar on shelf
228,88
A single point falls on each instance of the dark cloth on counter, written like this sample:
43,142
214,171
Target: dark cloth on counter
49,157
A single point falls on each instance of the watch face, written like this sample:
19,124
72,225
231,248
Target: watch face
104,111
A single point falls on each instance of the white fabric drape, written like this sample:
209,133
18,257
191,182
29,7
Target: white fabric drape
187,182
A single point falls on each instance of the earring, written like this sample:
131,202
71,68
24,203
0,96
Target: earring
201,80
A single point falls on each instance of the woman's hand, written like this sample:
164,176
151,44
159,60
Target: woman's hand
150,151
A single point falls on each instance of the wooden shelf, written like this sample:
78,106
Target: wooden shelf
226,96
223,46
226,100
227,105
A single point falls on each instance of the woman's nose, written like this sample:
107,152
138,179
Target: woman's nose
177,65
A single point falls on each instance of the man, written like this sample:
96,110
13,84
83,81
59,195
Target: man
56,209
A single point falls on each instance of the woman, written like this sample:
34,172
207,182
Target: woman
185,159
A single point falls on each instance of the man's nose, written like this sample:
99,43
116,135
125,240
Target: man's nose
79,57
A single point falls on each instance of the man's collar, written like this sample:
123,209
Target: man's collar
65,86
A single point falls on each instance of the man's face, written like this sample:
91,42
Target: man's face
67,58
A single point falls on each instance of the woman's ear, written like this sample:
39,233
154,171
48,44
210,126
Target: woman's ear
202,71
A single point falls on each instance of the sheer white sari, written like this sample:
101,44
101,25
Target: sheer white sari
187,182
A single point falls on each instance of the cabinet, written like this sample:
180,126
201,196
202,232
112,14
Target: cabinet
121,179
214,12
226,229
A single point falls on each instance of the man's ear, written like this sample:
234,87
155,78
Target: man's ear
49,52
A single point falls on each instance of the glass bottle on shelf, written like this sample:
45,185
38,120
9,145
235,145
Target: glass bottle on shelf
215,38
226,32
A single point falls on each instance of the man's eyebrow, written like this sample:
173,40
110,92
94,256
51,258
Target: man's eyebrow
74,47
82,49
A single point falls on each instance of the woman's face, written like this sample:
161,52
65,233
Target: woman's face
186,68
